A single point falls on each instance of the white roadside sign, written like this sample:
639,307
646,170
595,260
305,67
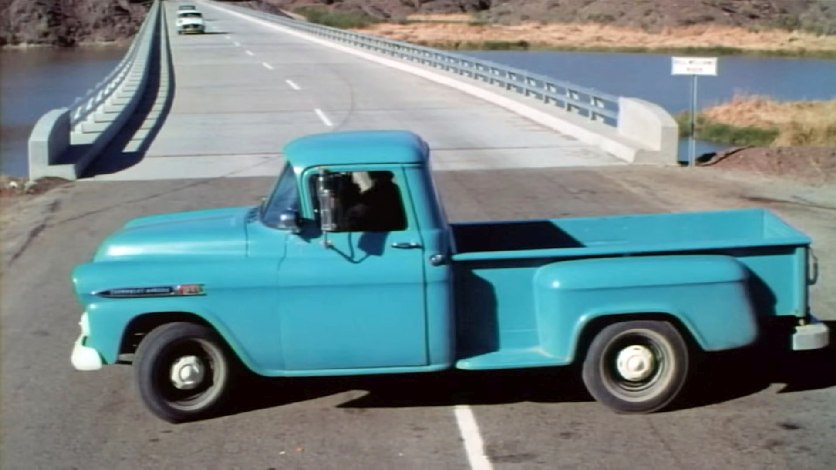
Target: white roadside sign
694,66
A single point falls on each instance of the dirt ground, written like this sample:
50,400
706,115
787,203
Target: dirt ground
15,186
806,165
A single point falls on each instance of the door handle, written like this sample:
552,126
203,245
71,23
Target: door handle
406,245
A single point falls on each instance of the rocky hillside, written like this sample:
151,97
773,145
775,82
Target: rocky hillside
69,22
810,15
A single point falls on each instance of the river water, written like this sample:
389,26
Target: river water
36,80
648,76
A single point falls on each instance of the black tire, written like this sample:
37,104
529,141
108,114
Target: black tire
636,366
185,349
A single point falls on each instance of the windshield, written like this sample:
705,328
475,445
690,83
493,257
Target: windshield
190,15
285,197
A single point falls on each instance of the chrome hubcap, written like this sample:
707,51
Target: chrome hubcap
635,363
187,372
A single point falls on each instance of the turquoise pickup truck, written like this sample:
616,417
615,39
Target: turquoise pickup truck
350,267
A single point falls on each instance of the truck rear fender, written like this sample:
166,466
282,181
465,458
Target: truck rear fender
706,295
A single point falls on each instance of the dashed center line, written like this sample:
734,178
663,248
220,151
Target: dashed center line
227,37
473,444
237,44
323,117
293,85
249,52
267,66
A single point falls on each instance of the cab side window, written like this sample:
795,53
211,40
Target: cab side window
369,202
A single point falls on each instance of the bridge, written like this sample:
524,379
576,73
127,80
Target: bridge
223,104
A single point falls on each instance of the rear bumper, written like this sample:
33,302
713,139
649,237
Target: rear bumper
814,335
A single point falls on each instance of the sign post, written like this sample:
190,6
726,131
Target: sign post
693,66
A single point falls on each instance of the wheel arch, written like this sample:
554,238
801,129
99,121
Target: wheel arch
593,326
139,327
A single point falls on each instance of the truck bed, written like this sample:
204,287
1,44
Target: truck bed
616,235
500,315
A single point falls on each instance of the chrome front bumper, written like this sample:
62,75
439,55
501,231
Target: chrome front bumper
84,357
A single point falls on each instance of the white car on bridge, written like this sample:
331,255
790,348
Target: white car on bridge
190,21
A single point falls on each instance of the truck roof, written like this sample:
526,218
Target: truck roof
363,147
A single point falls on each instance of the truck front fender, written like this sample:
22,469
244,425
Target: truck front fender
111,322
706,294
238,299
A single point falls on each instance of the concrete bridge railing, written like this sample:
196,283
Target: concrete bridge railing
630,128
65,141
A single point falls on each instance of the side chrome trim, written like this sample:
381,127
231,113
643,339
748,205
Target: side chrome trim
155,291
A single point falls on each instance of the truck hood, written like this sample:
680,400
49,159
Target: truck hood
206,233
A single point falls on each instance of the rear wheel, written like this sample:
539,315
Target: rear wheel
182,371
636,366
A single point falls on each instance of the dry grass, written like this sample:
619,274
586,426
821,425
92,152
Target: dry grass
452,34
440,18
811,123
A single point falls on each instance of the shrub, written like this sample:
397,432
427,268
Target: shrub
505,45
718,132
762,121
336,19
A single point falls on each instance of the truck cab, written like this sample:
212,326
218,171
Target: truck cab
363,232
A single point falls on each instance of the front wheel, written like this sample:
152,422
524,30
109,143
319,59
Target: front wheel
182,371
636,366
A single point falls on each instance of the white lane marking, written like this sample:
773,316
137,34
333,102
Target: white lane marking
237,44
324,118
227,37
292,84
249,52
268,66
473,445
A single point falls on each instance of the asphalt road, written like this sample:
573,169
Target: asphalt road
761,409
757,409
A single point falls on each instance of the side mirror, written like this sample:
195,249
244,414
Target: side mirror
289,220
329,211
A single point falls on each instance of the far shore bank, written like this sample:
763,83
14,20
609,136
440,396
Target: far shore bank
87,44
459,34
463,32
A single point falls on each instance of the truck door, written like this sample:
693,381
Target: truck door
354,298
